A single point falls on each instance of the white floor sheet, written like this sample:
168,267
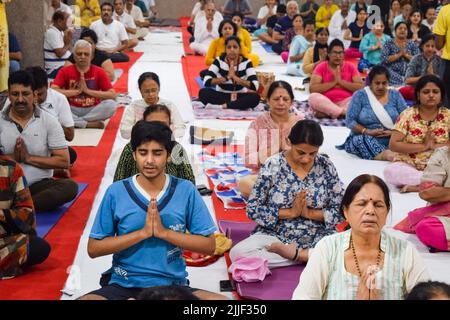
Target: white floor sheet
162,54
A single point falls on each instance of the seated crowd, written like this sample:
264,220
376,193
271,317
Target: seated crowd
383,77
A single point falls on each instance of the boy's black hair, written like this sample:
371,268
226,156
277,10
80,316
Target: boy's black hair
145,131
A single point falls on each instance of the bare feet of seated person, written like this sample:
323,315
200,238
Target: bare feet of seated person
288,251
95,125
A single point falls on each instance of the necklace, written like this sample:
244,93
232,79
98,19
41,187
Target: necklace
356,259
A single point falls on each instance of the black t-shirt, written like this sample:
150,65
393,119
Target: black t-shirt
99,58
355,30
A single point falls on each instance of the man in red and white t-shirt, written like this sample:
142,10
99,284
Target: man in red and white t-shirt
88,89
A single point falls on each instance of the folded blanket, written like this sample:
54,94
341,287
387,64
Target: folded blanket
225,170
204,136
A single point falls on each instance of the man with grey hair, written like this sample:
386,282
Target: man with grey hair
283,25
88,89
340,21
206,30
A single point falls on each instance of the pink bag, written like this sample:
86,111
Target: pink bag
434,232
249,269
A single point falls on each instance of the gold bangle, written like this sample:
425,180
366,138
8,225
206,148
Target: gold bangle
364,131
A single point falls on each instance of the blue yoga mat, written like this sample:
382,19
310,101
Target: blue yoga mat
200,82
267,47
46,220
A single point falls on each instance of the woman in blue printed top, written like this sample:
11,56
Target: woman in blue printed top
294,202
397,53
371,116
234,76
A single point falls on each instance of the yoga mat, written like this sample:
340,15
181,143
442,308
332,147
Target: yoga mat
117,74
220,211
192,65
87,137
186,35
45,281
280,285
166,23
46,220
121,85
199,82
267,47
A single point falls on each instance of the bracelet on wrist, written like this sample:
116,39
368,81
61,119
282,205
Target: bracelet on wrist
364,131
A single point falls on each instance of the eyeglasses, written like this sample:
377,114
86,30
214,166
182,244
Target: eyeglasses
337,53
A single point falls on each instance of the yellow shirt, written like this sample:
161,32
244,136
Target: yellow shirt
217,47
91,14
322,12
4,50
441,28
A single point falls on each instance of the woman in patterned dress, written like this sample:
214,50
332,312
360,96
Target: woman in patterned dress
397,53
419,130
294,202
369,136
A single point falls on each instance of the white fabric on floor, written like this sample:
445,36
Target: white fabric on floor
87,137
162,55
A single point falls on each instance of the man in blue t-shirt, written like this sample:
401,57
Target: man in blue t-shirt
143,221
283,25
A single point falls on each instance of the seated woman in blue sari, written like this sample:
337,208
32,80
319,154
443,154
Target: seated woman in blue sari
371,116
294,202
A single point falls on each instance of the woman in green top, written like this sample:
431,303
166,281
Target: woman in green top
179,165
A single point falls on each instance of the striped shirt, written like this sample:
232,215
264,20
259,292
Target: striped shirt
220,68
325,276
17,218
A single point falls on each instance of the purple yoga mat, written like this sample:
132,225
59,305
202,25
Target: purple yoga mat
278,286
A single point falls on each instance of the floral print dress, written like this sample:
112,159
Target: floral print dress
276,188
415,129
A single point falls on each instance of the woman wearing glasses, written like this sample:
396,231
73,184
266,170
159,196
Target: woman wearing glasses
333,83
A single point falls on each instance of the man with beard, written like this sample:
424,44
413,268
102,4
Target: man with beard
112,35
35,139
143,221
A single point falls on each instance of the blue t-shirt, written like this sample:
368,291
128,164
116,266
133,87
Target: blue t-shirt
355,30
13,43
283,25
153,261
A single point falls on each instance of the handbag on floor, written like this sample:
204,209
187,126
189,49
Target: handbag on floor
205,136
265,79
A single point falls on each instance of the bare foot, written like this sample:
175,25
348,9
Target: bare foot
406,189
287,251
320,115
95,124
386,155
